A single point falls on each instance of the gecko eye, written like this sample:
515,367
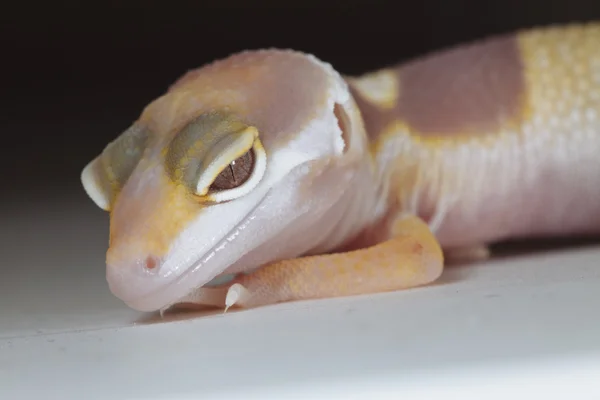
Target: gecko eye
238,177
236,173
217,157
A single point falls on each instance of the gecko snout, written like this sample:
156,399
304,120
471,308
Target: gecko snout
134,277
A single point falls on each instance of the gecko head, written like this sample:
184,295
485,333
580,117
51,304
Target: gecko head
240,163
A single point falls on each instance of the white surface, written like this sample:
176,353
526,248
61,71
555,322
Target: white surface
526,327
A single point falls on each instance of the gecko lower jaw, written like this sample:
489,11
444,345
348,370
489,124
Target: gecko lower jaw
174,292
151,289
162,295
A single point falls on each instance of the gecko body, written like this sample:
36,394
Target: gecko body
272,166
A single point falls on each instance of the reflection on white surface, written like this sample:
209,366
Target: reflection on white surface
525,327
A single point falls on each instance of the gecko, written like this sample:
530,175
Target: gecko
269,176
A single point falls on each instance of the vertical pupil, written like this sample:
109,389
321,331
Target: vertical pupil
236,173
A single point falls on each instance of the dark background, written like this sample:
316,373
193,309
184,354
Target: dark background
75,74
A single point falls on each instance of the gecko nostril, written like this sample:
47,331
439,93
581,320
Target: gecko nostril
150,263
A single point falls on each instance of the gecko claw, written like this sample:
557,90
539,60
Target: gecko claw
162,312
235,294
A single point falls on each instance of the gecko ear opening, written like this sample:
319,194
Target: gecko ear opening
343,121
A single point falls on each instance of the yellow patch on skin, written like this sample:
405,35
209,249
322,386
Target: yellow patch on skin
437,141
562,68
161,216
390,132
379,88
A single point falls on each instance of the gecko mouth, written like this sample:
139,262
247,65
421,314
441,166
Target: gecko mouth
199,273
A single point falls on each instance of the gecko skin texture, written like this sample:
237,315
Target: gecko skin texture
273,169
